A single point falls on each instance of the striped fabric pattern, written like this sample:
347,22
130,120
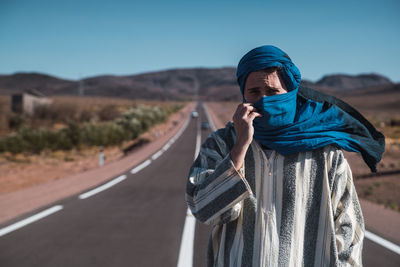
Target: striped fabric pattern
297,210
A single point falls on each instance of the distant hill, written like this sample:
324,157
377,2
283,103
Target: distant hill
43,83
350,82
174,84
169,84
164,85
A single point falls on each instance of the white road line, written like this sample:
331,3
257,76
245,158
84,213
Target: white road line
210,121
141,166
383,242
166,146
185,258
29,220
102,187
186,250
157,154
198,142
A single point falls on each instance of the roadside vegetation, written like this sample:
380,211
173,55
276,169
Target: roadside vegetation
77,123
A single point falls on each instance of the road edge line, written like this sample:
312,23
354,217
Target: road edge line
103,187
29,220
141,166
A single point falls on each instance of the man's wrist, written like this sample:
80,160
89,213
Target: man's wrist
238,154
245,143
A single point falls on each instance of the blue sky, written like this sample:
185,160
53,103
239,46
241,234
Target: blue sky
72,39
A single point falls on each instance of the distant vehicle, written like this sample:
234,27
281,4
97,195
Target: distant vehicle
194,114
205,125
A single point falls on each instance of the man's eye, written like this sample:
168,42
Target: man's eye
273,90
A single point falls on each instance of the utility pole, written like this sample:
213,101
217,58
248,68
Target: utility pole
81,89
196,89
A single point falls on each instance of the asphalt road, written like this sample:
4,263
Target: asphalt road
137,222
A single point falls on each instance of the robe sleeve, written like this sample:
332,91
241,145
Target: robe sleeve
215,189
348,218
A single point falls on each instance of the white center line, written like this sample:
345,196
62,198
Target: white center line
102,187
186,250
141,166
383,242
210,121
185,258
198,143
29,220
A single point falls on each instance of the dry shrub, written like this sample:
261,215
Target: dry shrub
5,112
108,112
130,125
61,112
86,115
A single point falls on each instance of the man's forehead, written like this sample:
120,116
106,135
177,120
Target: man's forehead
261,76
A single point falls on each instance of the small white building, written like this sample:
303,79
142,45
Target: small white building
27,101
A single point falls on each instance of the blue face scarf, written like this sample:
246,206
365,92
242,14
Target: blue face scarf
304,119
278,111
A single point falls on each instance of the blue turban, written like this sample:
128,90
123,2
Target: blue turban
265,57
319,119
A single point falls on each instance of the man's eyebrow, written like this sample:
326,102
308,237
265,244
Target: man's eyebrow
253,88
266,86
273,88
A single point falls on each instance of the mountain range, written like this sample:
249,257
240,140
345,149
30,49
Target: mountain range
176,84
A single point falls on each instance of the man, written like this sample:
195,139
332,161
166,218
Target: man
274,183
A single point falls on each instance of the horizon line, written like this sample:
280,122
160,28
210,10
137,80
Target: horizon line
184,68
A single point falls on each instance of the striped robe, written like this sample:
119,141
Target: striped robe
296,210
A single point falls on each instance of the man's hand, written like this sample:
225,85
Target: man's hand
243,122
